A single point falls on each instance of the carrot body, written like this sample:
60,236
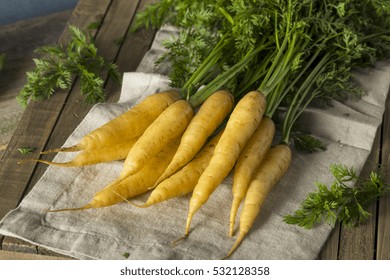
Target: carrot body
184,181
128,125
210,115
247,163
133,185
96,155
242,123
270,171
170,125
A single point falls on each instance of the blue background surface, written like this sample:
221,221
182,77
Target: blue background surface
16,10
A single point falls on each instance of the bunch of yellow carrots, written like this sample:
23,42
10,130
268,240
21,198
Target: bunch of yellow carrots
267,55
173,149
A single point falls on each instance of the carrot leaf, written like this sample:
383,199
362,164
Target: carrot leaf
58,65
345,201
307,143
26,150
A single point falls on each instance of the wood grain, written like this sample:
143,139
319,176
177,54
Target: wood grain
358,243
118,16
19,41
133,49
383,240
38,121
330,250
9,255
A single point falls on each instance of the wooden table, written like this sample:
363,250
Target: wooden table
47,124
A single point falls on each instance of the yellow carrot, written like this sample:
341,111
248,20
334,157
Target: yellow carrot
247,163
170,125
133,185
128,125
95,155
270,171
183,181
210,115
242,123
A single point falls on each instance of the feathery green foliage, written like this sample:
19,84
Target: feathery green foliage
296,33
346,200
294,52
59,65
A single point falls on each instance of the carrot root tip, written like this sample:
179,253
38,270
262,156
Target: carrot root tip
61,164
231,231
69,209
23,161
238,241
145,205
64,149
179,240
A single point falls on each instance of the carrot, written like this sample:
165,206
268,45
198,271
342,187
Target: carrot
132,185
183,181
210,115
270,171
247,163
95,155
242,123
128,125
168,126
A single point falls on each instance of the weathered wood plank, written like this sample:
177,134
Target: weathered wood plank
9,255
38,121
16,245
119,17
18,42
330,250
47,252
358,243
34,125
383,240
133,49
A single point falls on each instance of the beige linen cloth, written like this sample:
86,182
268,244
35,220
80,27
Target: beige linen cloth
348,130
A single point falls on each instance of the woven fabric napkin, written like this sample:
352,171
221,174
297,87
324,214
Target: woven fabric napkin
348,129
